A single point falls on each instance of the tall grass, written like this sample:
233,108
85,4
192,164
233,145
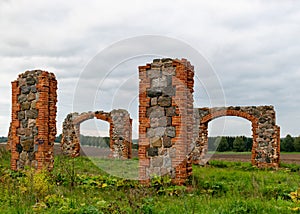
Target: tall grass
79,186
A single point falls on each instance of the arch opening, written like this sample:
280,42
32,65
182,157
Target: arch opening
230,133
94,138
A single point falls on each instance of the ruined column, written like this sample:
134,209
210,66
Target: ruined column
33,126
120,132
165,119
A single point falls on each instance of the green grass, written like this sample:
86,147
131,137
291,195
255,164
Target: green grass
82,185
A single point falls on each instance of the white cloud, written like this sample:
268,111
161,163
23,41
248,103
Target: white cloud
252,45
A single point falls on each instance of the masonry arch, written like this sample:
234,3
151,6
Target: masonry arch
120,132
265,132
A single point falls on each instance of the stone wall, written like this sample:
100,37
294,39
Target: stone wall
165,119
265,132
120,132
33,126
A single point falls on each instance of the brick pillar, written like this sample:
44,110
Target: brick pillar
166,119
15,124
33,126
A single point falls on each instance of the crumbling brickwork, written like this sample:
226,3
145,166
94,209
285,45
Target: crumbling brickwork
120,132
265,132
33,126
165,119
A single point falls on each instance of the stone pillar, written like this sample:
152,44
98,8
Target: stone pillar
165,119
121,134
33,126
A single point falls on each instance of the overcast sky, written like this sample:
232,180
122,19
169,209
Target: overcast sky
249,49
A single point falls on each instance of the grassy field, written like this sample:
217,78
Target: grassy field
80,186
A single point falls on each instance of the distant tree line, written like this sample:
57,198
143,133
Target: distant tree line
221,143
102,142
3,139
244,144
290,144
229,143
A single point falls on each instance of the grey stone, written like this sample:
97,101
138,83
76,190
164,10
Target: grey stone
35,131
159,131
169,121
21,115
167,163
169,81
25,89
154,92
168,71
33,104
21,82
24,123
23,156
168,64
155,112
162,122
169,91
159,82
157,162
31,96
170,131
156,171
33,89
153,73
156,142
27,145
19,148
153,101
25,106
32,114
164,101
171,111
172,152
30,80
31,123
152,152
165,60
31,156
167,142
262,120
22,98
21,131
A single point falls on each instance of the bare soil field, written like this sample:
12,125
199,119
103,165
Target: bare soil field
98,152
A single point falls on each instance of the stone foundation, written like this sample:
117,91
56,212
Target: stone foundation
165,119
120,132
33,126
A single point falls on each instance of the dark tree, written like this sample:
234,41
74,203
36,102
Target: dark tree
297,144
221,144
239,144
287,144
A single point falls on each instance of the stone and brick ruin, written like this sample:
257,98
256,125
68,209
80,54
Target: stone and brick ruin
33,125
172,133
165,119
120,132
265,132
